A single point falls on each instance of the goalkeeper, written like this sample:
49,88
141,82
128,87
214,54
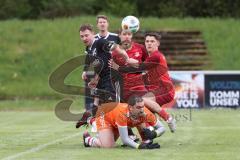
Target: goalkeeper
113,119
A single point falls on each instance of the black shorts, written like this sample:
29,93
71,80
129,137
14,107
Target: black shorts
105,90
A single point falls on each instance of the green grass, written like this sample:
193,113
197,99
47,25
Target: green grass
31,50
38,104
210,134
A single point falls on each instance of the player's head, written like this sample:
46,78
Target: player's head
152,41
86,34
136,105
126,38
102,23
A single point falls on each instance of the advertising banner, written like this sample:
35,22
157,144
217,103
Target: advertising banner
222,90
197,89
189,89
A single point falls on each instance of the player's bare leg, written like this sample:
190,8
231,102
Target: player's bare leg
105,139
150,102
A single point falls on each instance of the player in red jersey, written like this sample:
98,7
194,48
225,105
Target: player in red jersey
114,118
129,83
158,83
132,82
157,78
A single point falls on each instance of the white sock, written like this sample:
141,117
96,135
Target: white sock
91,141
161,129
94,127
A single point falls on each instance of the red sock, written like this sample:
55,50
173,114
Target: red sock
163,114
92,120
147,125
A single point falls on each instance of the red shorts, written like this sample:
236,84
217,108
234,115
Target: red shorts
165,98
137,90
133,84
163,95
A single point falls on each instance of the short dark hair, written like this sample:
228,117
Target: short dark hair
153,34
101,16
120,30
84,27
134,99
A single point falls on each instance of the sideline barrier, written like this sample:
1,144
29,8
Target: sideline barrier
198,89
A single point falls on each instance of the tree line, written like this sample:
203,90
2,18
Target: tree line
35,9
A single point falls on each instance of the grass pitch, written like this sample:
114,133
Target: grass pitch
38,134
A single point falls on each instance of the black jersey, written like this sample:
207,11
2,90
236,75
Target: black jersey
110,37
98,55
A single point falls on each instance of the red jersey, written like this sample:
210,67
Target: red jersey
132,82
138,52
157,77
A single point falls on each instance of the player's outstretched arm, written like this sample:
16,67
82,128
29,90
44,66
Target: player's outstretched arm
159,129
125,69
123,132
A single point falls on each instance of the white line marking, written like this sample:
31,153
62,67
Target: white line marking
40,147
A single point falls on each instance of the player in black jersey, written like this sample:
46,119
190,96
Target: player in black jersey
98,54
102,25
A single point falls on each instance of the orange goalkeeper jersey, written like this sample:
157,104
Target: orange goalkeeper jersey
112,115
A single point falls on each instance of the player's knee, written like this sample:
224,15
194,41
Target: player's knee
108,145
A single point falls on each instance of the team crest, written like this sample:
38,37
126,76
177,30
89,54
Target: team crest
137,54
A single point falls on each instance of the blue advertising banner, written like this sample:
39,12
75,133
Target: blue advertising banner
222,90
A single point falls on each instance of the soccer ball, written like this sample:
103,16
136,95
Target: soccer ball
130,23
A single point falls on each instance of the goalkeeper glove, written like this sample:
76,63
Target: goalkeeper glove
148,146
148,134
